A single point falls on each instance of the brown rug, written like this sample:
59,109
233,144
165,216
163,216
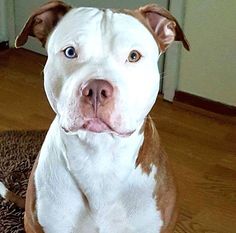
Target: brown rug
18,150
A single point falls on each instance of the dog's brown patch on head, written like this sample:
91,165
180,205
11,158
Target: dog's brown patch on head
162,25
152,155
42,22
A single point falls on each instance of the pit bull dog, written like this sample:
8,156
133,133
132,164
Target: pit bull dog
101,168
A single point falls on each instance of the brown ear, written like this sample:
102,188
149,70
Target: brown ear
42,22
163,25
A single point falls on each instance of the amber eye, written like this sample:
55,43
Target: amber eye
134,56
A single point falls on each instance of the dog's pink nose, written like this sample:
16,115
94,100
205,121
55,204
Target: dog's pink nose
97,92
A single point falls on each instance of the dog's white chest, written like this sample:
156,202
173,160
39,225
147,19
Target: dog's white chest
102,190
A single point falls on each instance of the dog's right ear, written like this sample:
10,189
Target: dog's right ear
42,22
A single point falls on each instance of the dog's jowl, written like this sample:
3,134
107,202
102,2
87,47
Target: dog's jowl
101,168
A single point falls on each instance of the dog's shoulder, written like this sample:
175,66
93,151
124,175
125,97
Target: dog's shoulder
152,154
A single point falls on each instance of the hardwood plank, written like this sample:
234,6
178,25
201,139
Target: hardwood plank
23,104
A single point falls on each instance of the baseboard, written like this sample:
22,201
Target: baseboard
4,45
204,103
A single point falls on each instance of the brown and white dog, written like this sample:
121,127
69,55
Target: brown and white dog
101,168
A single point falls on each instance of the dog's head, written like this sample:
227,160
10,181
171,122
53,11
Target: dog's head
101,73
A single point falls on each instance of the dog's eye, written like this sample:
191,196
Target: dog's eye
134,56
70,52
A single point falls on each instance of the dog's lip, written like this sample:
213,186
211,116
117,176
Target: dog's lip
96,125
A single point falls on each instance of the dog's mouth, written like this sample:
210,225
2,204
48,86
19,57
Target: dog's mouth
97,125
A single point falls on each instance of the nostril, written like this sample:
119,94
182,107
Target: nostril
104,94
106,90
90,93
87,92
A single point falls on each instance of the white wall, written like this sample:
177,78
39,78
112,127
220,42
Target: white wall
209,70
3,22
114,3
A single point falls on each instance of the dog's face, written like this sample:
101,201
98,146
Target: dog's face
101,74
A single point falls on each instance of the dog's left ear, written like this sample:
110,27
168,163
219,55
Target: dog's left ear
42,22
163,25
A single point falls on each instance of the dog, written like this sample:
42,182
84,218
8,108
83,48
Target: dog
101,168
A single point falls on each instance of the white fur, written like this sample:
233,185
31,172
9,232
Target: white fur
88,182
3,190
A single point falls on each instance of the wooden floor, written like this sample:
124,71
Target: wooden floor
201,145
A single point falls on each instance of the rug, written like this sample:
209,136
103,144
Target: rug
18,150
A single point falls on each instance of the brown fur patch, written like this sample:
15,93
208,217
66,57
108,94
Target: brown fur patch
42,22
19,201
162,41
152,154
30,219
136,14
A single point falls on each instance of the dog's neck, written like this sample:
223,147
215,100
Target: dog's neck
91,157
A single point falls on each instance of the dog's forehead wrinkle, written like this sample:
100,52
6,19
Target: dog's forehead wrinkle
113,28
84,26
